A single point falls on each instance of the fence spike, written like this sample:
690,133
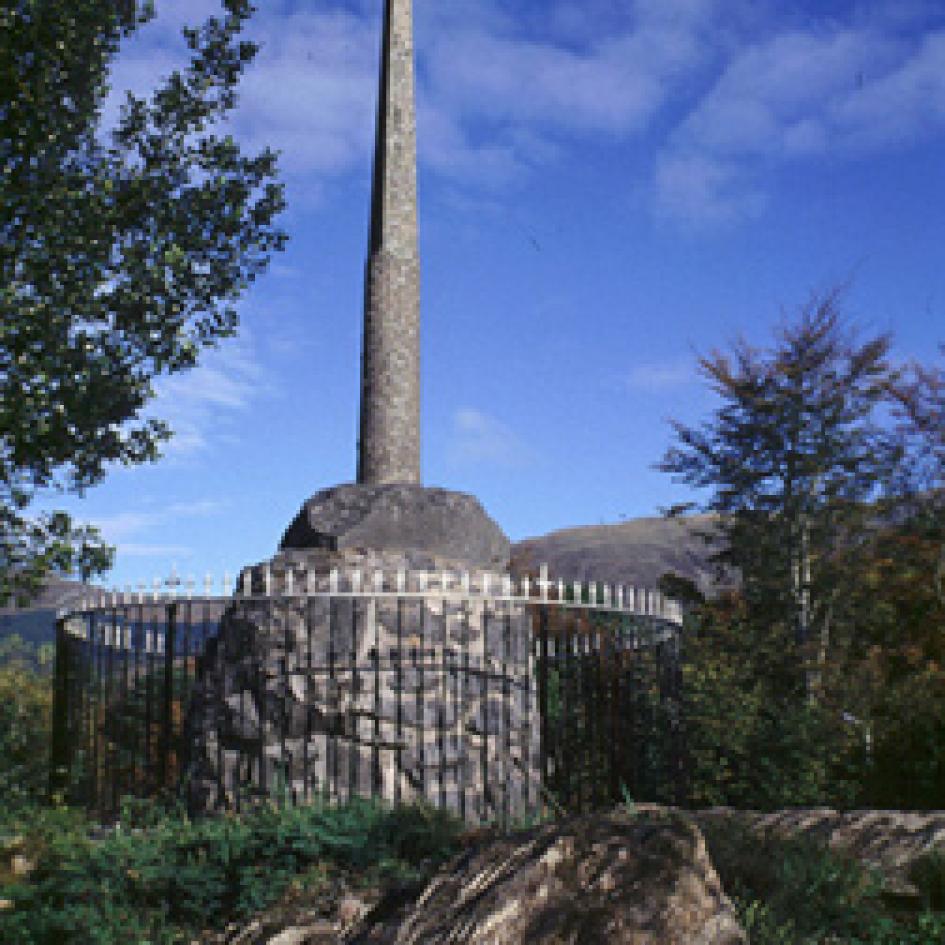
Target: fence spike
464,582
445,581
309,582
592,592
506,585
289,581
525,589
226,584
486,580
620,597
422,581
606,595
401,580
267,580
333,581
543,581
356,581
156,585
379,581
207,585
576,591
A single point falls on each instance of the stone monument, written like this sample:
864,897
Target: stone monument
281,696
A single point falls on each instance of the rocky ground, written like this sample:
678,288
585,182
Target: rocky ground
643,878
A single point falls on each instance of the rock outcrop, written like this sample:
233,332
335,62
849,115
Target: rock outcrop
618,878
888,840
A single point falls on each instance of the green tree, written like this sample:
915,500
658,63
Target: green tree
920,397
790,459
119,261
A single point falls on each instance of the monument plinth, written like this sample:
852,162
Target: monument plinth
400,517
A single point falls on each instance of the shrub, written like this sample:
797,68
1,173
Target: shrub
25,718
169,876
793,891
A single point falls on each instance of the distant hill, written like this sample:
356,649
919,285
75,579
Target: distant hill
36,624
637,552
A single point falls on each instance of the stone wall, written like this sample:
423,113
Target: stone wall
400,698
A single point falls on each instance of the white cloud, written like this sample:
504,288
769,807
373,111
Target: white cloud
658,376
829,92
477,438
133,550
497,99
702,192
310,92
200,404
118,527
489,91
502,90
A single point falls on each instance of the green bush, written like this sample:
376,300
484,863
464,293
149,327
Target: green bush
793,891
25,719
171,877
928,874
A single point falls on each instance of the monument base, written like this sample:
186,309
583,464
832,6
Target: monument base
398,678
424,522
312,691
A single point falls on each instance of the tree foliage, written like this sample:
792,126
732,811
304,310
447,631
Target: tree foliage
121,255
831,515
790,458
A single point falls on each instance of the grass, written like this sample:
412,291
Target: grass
793,891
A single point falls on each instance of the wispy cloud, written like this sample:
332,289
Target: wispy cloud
120,526
201,404
479,439
494,89
658,376
133,550
719,94
827,92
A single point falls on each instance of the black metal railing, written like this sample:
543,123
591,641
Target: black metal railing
605,684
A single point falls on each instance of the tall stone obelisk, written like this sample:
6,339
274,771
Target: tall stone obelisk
389,440
388,517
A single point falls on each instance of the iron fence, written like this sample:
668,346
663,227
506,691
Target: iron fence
603,679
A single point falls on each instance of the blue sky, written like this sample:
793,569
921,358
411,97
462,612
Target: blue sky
607,188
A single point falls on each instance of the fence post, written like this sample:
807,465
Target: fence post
167,717
680,740
543,699
60,754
